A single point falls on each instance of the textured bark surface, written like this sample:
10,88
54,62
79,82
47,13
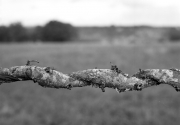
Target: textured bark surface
101,78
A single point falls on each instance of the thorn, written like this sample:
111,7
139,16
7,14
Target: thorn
140,70
177,88
29,62
116,69
69,86
117,90
127,90
113,67
20,79
120,90
34,80
49,69
102,88
138,87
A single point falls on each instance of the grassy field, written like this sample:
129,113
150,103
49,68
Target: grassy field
27,103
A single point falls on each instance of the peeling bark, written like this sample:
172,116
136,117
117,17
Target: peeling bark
100,78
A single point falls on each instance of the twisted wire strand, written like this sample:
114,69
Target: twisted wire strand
100,78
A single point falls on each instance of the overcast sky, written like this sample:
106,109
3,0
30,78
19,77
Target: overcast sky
91,12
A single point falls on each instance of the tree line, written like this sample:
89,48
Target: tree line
52,31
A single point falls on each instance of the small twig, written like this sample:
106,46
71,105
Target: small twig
29,62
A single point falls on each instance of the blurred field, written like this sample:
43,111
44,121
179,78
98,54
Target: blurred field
26,103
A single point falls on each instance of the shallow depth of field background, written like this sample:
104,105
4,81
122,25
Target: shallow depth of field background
27,103
73,35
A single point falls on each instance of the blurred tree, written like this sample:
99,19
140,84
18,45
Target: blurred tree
4,34
38,33
34,33
17,32
173,34
111,33
58,31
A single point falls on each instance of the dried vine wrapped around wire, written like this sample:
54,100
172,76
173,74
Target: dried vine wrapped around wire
101,78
